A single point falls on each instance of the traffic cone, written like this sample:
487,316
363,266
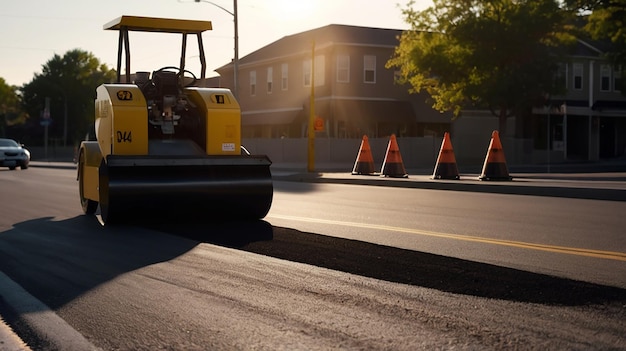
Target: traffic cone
446,168
392,165
364,161
495,167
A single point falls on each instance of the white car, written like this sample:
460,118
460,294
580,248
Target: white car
13,154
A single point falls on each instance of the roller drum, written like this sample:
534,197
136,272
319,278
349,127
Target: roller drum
185,188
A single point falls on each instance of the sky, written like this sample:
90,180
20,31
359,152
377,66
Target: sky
33,31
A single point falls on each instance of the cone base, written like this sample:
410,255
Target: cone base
446,171
395,175
366,174
363,168
501,178
495,171
394,170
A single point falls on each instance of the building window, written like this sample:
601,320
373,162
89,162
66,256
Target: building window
343,69
270,79
319,69
252,83
578,76
605,78
284,75
617,78
306,72
369,69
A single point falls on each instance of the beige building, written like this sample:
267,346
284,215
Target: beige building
355,95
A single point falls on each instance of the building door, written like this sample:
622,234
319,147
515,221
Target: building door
607,137
577,137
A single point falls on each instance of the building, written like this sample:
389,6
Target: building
588,122
354,93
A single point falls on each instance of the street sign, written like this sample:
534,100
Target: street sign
319,124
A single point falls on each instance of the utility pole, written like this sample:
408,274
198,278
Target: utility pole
236,58
46,122
311,129
64,117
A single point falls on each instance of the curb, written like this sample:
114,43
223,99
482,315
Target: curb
9,341
518,186
38,319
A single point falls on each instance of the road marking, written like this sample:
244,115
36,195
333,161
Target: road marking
609,255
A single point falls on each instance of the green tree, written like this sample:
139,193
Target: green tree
497,54
70,83
11,113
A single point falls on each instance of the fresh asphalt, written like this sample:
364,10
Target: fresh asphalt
598,181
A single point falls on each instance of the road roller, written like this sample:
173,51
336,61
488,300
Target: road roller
166,146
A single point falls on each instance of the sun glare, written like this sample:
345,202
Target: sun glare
299,8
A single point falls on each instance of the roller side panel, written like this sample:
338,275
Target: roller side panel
223,119
121,120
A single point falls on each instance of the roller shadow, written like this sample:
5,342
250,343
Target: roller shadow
232,234
61,260
33,253
422,269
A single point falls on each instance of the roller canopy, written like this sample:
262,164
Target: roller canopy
153,24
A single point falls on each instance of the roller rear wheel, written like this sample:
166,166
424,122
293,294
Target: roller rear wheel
89,206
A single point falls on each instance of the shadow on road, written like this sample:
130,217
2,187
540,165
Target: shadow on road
405,266
59,261
62,260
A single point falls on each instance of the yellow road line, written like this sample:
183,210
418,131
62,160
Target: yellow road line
610,255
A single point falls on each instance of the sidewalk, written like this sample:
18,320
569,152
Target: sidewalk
594,186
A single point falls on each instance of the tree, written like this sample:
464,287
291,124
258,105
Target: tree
70,83
497,54
11,113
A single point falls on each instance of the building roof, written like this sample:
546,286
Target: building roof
331,34
339,34
588,48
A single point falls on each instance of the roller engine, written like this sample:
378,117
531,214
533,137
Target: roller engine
170,114
167,148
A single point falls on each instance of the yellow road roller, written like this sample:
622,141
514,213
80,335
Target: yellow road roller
165,147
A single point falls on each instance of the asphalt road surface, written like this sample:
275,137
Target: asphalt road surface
568,237
275,284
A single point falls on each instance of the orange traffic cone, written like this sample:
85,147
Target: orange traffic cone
494,167
392,165
364,161
446,168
